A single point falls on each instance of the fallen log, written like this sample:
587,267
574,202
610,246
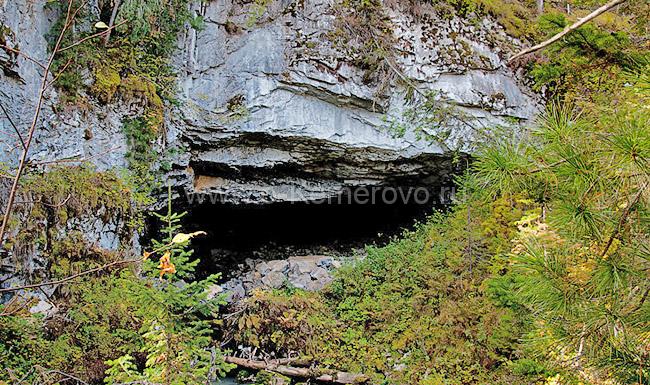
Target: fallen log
324,375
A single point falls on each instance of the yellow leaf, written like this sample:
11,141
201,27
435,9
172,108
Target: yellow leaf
165,259
182,237
146,255
169,269
101,25
165,265
255,321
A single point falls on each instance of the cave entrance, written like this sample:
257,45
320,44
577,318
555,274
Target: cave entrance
335,226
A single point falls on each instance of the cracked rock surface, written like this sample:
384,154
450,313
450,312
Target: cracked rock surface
274,112
271,110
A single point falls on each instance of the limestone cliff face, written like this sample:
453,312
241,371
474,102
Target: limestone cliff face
271,110
274,111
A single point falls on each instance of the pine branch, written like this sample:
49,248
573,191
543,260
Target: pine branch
568,29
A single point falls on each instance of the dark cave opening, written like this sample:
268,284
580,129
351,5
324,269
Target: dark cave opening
336,226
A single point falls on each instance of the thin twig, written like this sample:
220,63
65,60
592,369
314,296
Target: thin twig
58,75
70,278
69,376
621,221
13,125
21,53
40,201
541,168
98,34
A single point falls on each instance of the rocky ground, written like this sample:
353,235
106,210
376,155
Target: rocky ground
310,272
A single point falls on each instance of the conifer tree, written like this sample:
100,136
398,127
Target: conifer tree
582,264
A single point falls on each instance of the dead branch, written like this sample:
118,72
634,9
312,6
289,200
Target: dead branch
111,21
47,372
74,276
32,128
20,137
623,218
21,53
95,35
323,375
568,29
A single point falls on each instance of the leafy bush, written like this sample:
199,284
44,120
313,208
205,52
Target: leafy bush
411,312
120,324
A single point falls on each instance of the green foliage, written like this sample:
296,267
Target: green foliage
154,25
140,47
433,117
258,9
62,197
269,378
95,319
590,61
582,270
141,134
134,328
177,318
411,312
511,14
21,339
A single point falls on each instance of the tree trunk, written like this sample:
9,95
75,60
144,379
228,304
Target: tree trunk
111,22
540,7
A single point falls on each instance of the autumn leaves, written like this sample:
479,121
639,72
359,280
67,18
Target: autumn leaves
165,264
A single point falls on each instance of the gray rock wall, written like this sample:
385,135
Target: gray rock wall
273,112
89,132
269,109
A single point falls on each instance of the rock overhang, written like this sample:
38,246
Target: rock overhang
278,108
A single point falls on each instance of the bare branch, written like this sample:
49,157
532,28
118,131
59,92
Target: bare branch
72,277
111,21
568,29
21,53
20,137
95,35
